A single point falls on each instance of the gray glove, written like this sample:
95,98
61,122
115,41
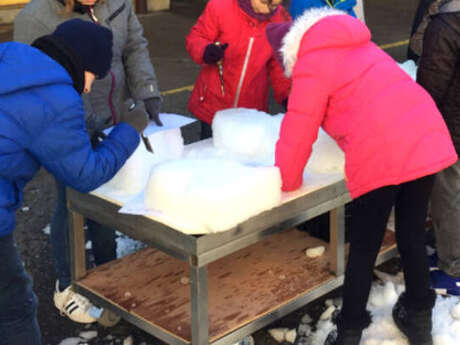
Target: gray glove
134,116
153,105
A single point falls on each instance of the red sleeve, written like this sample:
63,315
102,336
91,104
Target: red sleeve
204,32
299,129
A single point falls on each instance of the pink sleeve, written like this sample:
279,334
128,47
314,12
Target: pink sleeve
299,129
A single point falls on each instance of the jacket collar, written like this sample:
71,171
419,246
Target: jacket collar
291,41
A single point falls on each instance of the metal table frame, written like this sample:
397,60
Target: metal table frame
201,250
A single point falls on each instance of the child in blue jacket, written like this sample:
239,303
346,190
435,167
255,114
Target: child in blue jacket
42,123
297,7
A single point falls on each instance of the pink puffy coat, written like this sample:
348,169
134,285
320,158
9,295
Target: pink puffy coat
387,125
249,63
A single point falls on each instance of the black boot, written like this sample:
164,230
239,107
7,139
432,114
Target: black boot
347,333
415,321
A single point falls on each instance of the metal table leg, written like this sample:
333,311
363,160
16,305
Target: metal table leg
199,297
77,246
337,240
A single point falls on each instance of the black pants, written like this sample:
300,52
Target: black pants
368,226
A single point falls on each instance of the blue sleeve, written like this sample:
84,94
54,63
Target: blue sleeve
64,149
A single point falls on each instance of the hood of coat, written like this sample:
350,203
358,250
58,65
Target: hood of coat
25,67
320,28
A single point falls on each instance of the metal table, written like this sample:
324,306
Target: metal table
197,253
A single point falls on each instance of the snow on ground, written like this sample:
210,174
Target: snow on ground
383,331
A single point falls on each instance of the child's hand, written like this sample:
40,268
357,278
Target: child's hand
214,53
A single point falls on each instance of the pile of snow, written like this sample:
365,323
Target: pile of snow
211,194
250,136
383,331
247,132
215,184
132,178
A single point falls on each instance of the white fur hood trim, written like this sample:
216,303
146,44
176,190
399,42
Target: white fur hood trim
291,41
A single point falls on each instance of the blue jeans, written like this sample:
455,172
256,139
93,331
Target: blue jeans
18,303
102,238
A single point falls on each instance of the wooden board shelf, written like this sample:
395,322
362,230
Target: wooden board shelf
242,286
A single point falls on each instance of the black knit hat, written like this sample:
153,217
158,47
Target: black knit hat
92,43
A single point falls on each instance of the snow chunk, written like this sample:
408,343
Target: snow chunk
315,252
279,334
132,178
88,335
250,136
128,340
71,341
247,132
212,195
290,336
47,229
327,314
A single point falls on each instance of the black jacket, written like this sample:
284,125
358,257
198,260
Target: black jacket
439,69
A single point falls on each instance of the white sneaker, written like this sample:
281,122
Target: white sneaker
72,304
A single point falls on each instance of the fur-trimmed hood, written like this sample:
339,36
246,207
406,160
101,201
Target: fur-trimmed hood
329,34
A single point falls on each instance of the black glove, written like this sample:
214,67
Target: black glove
213,53
134,116
153,105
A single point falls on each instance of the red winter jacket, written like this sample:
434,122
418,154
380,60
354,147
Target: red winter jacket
248,63
387,125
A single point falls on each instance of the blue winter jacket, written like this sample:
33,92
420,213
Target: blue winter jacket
42,122
297,7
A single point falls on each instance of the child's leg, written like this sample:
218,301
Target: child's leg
413,311
368,224
410,217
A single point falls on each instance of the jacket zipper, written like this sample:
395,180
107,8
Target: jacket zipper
243,72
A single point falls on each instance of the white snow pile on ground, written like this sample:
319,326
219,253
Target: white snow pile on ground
383,331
